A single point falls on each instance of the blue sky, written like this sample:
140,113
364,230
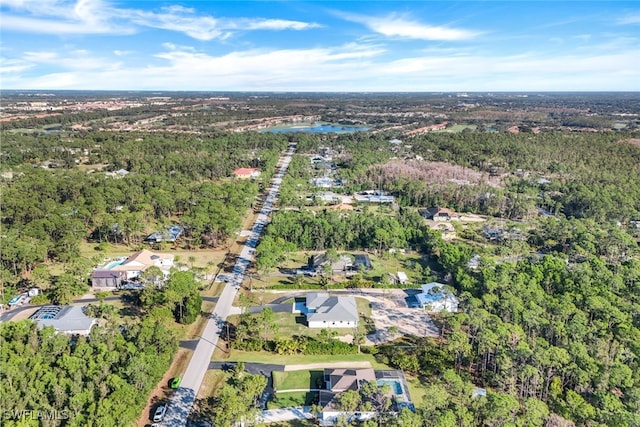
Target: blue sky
339,46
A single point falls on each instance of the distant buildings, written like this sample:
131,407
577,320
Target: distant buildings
120,173
171,234
373,197
246,173
439,214
325,182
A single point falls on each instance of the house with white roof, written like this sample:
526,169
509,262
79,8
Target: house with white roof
437,297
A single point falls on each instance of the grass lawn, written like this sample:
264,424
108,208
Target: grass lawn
390,263
213,380
457,128
297,380
293,399
416,389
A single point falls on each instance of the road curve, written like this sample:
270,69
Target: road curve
182,400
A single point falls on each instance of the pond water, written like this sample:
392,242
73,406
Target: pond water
316,128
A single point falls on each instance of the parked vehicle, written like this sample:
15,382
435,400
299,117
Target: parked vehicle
175,382
159,414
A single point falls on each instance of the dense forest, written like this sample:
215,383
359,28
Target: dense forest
172,180
100,380
550,338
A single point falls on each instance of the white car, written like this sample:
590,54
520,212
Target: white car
159,415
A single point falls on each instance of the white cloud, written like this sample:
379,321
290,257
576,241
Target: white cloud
631,19
12,66
270,24
99,17
398,26
350,67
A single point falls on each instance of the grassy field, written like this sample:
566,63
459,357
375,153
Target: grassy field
297,380
213,380
292,400
416,389
457,128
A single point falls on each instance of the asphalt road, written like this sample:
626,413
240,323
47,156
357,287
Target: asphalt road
182,400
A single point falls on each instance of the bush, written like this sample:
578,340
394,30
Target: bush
40,299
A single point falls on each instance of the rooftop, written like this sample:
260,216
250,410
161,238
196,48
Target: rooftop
68,319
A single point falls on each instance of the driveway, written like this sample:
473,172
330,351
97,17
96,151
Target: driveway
289,414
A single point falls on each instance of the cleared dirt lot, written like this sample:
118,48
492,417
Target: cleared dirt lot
391,310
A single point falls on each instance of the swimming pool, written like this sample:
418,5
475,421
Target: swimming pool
396,387
112,264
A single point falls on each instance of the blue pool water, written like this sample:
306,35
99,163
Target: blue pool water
395,386
112,264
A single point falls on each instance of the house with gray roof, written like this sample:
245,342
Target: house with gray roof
327,311
68,319
340,380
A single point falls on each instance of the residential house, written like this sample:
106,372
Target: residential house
400,278
326,311
246,173
439,214
436,297
68,319
107,279
141,260
362,262
373,197
340,380
318,261
171,234
130,268
325,182
120,173
327,197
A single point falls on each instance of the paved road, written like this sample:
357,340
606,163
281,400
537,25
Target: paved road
184,397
